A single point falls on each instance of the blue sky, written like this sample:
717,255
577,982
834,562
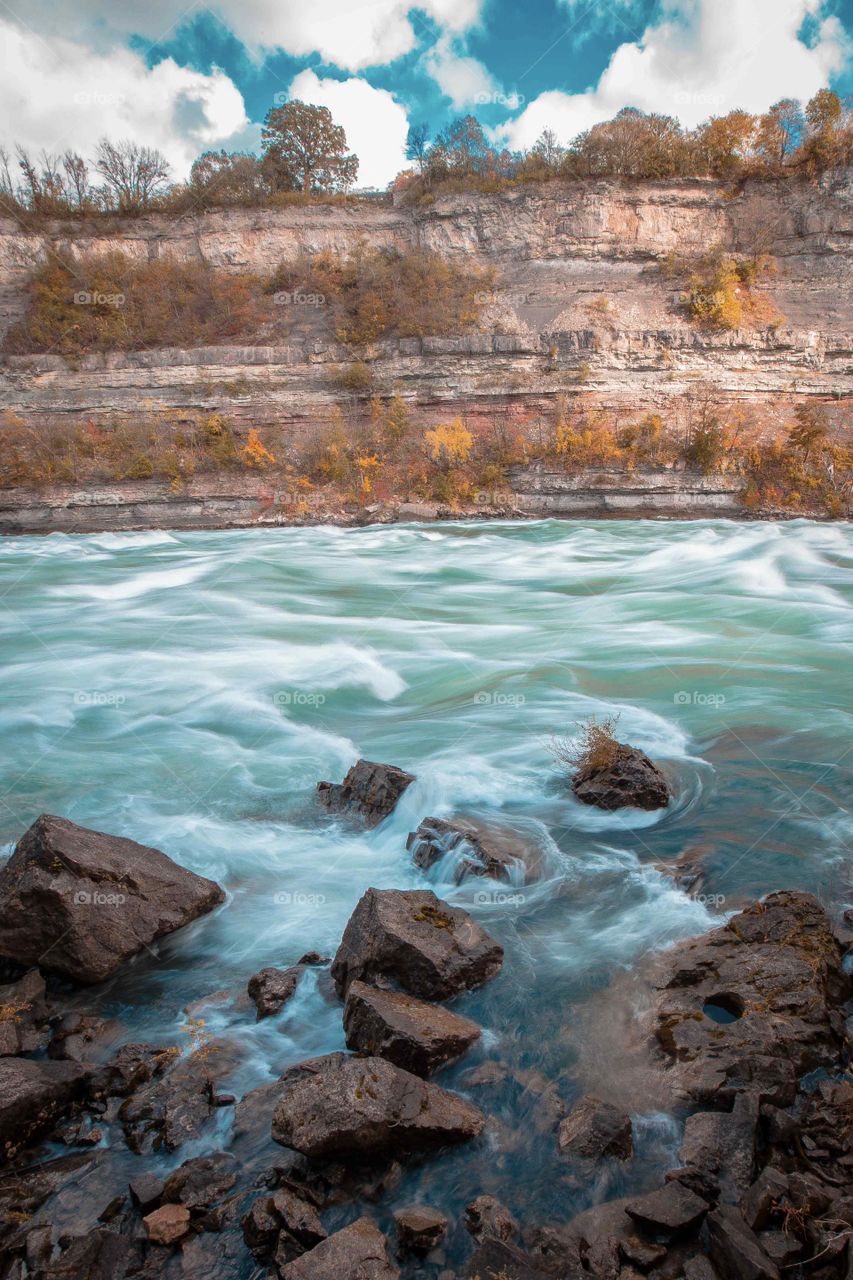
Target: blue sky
187,78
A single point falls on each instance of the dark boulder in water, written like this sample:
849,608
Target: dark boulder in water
79,903
411,1033
628,778
339,1105
595,1129
482,850
368,793
416,941
272,988
419,1229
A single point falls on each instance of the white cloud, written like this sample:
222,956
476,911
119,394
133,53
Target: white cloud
347,33
55,94
705,57
464,80
376,124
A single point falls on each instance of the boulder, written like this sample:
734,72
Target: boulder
734,1249
202,1181
416,941
723,1144
167,1224
79,902
752,1005
338,1106
33,1095
358,1252
172,1108
23,1015
412,1034
500,1260
369,792
486,1216
272,988
480,850
419,1229
669,1211
80,1037
595,1129
628,778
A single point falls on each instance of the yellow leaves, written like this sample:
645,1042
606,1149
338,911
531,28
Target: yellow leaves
254,454
449,443
367,464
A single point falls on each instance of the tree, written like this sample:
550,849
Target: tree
810,429
825,117
304,150
724,142
547,148
77,185
780,132
462,149
227,177
133,175
417,144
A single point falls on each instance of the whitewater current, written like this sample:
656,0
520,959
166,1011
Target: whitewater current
189,690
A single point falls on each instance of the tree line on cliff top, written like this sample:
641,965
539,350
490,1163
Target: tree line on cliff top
304,156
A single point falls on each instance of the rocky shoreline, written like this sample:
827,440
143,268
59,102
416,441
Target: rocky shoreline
746,1030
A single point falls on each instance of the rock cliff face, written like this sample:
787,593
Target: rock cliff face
579,306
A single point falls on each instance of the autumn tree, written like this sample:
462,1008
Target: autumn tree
133,174
809,430
304,150
724,142
780,132
227,177
417,144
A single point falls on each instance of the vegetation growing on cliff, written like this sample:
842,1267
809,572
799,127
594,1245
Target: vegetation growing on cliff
719,289
112,302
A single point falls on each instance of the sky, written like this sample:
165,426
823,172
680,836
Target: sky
189,77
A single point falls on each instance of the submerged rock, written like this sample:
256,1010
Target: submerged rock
411,1033
498,853
628,778
338,1105
175,1106
369,792
358,1252
79,902
202,1181
419,1229
486,1217
415,940
33,1095
595,1129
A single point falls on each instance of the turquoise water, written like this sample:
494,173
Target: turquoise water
188,690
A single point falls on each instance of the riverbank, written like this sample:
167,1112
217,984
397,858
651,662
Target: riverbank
249,501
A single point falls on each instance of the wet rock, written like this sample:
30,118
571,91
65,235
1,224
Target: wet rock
79,902
419,1229
482,850
81,1038
628,778
133,1066
101,1254
369,792
595,1129
337,1105
734,1249
172,1108
412,1034
699,1180
23,1015
415,940
167,1224
201,1182
768,1190
146,1190
33,1095
723,1143
641,1253
762,990
358,1251
272,988
79,1133
669,1211
499,1260
282,1214
486,1216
